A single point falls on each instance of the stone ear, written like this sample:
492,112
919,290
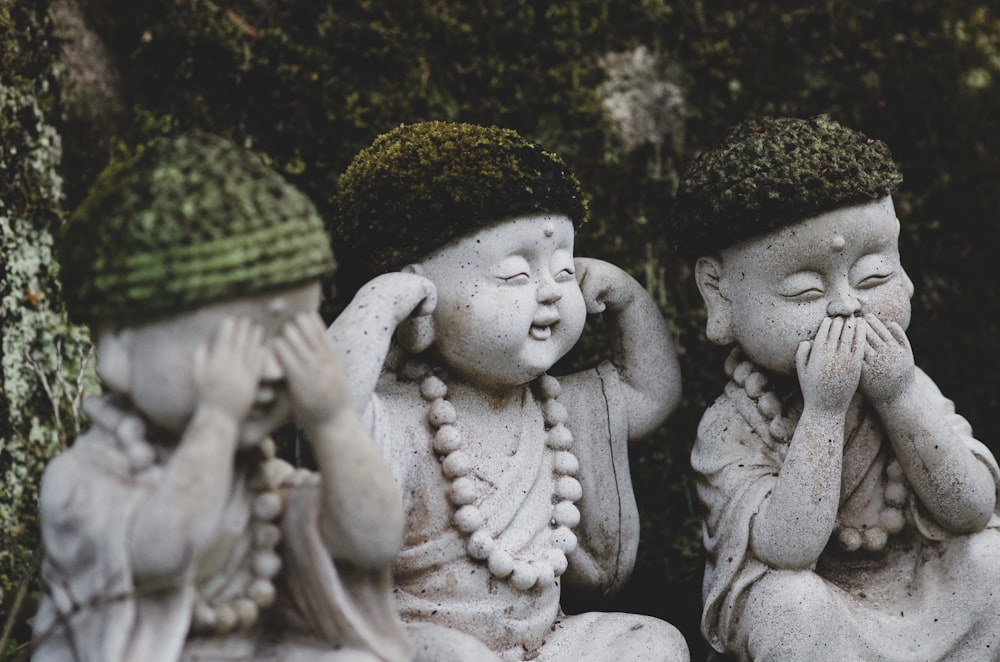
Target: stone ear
114,359
709,274
416,333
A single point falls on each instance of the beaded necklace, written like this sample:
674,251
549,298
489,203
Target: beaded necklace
457,465
241,611
871,535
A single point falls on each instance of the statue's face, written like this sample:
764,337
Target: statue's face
778,288
508,302
159,361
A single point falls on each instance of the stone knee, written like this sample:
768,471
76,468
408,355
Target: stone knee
982,555
790,613
435,643
649,638
612,636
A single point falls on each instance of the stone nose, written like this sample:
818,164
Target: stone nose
548,292
844,304
272,370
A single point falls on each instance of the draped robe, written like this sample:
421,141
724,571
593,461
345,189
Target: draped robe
438,583
92,609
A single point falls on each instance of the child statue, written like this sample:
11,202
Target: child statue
170,529
849,514
513,481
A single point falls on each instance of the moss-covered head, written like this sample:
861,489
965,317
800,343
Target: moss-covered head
771,172
420,186
186,222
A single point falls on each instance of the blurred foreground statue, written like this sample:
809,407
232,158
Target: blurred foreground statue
170,529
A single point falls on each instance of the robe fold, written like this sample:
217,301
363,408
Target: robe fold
438,583
92,610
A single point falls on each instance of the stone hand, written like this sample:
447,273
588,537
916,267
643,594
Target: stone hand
888,368
603,285
829,365
406,293
227,370
417,297
317,383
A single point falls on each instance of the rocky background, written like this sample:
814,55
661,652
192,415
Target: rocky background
627,93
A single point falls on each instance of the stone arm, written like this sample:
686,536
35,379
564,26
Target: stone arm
365,328
361,514
795,522
178,519
951,482
641,346
608,532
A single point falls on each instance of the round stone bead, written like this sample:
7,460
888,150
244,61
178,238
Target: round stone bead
468,519
733,360
266,535
524,576
432,388
741,372
546,574
850,539
554,412
560,438
246,612
892,520
874,539
569,488
755,384
895,494
225,618
564,462
564,540
501,563
462,492
549,387
267,506
566,514
266,564
262,592
441,412
557,559
769,405
480,545
203,617
446,440
457,464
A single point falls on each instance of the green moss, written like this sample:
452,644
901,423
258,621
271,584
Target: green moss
422,185
768,172
45,364
187,221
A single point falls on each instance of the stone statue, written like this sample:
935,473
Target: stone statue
849,514
514,482
171,530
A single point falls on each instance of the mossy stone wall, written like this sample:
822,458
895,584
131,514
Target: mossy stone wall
45,363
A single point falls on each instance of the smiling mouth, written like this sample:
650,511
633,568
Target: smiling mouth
263,403
540,332
259,411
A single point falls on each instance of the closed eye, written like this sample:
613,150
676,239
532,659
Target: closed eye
802,286
810,294
565,275
874,280
517,279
